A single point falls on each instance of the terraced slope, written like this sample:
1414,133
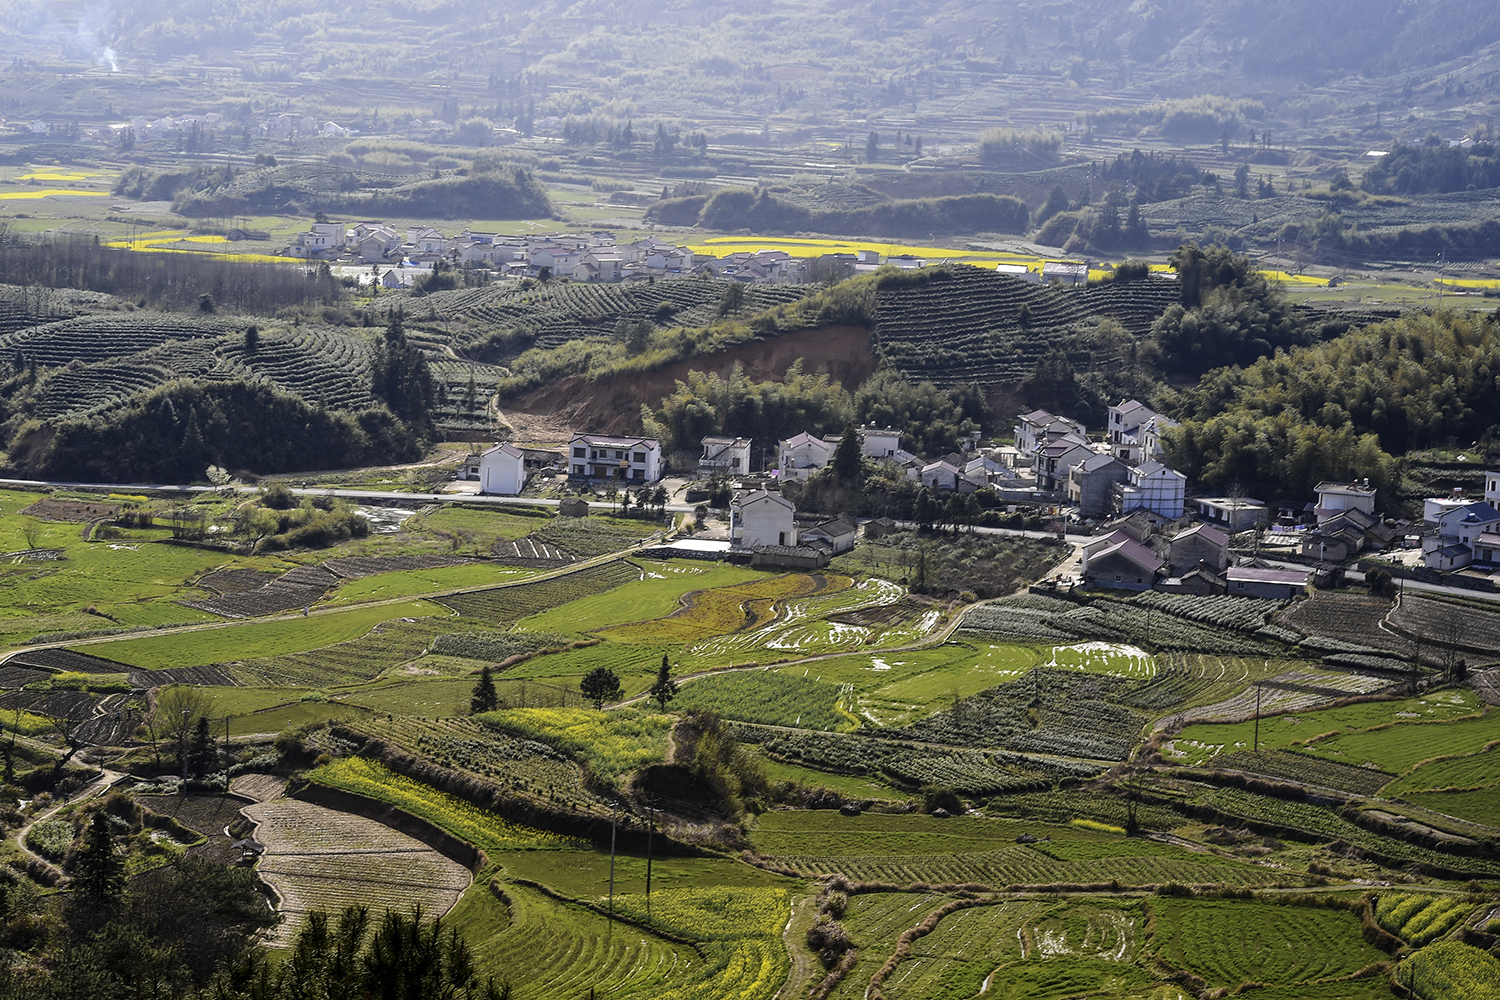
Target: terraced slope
967,324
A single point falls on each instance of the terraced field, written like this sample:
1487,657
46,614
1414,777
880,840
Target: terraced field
318,858
986,339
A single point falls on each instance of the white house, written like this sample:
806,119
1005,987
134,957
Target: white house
724,456
838,532
1492,489
502,470
1232,513
1457,534
941,476
1056,460
879,442
1127,423
1065,272
601,456
761,517
1039,427
1335,497
1152,487
800,456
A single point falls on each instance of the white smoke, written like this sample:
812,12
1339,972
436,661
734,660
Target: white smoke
93,23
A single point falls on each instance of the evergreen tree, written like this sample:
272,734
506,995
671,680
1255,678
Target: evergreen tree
600,685
99,870
665,688
201,753
484,698
848,457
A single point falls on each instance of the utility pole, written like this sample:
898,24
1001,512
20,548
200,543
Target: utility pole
613,810
1257,717
650,829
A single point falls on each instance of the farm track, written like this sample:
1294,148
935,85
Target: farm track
99,786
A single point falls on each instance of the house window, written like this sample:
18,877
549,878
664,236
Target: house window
580,453
1117,578
640,458
1240,585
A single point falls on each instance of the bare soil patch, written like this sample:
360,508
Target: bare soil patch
320,858
73,511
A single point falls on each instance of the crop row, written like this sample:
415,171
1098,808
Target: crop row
1286,765
1108,619
1242,614
772,698
385,646
970,772
1322,825
611,743
722,610
527,766
511,604
1350,618
1420,918
1022,864
1450,970
466,821
1447,623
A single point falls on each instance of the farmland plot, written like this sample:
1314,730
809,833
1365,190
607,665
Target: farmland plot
1466,626
805,625
724,610
319,858
1350,618
511,604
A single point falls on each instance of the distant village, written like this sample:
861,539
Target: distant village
397,259
1144,531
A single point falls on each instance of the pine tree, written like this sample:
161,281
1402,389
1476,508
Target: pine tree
848,457
201,754
484,698
665,688
99,870
600,685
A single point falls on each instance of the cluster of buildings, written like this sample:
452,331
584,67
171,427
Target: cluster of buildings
1098,479
405,255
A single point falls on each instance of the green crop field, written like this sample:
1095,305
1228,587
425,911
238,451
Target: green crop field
1233,942
419,582
657,594
776,699
256,639
1199,743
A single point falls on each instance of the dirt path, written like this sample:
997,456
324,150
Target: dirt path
97,787
805,971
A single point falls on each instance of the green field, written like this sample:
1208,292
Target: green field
1335,733
419,582
658,595
256,639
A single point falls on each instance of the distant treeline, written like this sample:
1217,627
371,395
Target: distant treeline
174,433
164,280
1335,241
742,208
486,190
1434,169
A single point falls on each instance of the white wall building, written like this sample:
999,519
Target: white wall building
879,442
799,457
725,456
762,518
502,470
1152,487
1336,497
600,456
1492,489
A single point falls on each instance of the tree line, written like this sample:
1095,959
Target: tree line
163,280
932,420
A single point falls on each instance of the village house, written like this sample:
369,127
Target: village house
1055,461
1091,481
1277,584
761,517
1126,431
622,459
879,442
1065,272
945,477
1152,487
1199,545
1121,563
800,456
1232,513
837,534
1336,497
724,456
1039,427
502,470
1455,530
1492,489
